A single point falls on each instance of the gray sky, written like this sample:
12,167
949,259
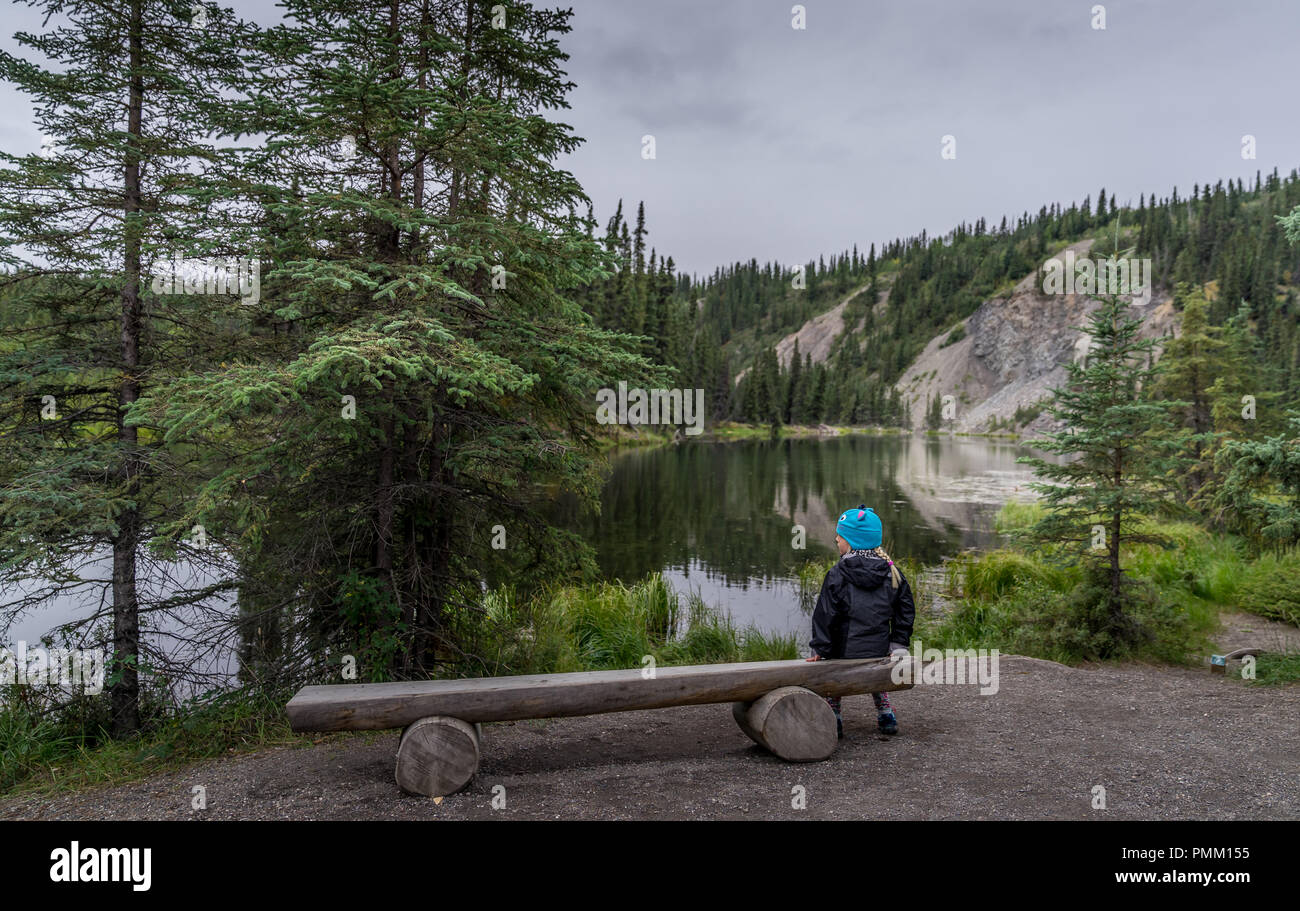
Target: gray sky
784,144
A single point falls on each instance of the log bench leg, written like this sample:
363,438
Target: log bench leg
437,756
792,722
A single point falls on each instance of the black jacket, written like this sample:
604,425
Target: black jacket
859,614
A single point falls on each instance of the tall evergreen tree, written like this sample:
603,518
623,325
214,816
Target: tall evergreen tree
129,94
934,413
1260,492
434,297
794,387
1191,363
1116,455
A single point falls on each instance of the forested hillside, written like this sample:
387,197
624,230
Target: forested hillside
718,328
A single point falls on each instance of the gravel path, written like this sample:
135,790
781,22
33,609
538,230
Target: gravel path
1165,743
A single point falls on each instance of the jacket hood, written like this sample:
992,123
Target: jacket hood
863,571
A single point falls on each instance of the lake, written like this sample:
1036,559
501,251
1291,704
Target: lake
717,517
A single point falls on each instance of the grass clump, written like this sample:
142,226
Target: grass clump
1271,588
44,748
1017,515
611,625
1276,669
996,574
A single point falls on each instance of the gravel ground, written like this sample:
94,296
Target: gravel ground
1165,743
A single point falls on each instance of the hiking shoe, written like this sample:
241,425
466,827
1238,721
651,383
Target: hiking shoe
887,723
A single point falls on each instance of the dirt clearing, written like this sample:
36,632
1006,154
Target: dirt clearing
1165,743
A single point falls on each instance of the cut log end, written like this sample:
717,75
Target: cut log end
792,722
437,756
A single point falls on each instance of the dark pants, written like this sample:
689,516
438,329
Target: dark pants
881,700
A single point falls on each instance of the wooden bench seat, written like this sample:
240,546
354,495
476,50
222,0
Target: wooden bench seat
778,704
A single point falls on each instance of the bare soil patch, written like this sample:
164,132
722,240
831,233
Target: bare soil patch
1165,743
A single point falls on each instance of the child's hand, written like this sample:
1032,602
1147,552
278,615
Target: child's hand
815,658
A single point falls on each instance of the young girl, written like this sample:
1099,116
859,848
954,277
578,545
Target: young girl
865,607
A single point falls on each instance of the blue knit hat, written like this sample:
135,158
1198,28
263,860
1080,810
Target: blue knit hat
860,527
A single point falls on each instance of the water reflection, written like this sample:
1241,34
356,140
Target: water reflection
717,517
197,640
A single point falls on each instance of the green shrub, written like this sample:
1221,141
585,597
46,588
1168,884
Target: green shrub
1273,669
372,628
1025,414
1271,588
992,575
1022,606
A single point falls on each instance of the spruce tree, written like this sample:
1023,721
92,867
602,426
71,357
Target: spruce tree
638,304
1244,372
130,94
1117,455
441,373
1260,492
1191,364
934,413
816,407
794,388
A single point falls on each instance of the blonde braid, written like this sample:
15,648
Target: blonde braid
894,576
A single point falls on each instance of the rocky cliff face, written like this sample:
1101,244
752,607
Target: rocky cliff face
817,335
1014,353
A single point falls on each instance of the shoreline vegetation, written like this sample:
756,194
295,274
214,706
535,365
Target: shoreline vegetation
1014,598
623,436
1027,599
595,626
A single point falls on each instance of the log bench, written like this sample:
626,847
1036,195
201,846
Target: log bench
778,704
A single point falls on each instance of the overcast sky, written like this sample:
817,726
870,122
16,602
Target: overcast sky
783,144
778,143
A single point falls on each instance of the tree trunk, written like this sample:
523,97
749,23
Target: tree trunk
124,694
385,507
417,186
1116,605
436,552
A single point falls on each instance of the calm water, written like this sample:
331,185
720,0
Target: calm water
716,517
198,638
